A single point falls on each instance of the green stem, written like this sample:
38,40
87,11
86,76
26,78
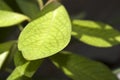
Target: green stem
41,5
20,27
49,1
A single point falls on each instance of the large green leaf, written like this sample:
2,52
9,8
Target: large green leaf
29,7
80,68
46,35
8,18
4,51
4,6
95,33
23,68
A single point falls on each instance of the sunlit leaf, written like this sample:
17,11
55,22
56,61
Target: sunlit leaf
80,68
3,56
95,33
46,35
4,51
4,33
23,67
29,7
8,18
117,72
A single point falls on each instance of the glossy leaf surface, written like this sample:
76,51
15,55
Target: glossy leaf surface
46,35
95,33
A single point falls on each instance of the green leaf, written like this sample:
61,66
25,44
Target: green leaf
29,7
23,68
4,51
6,46
80,68
117,72
3,57
95,33
46,35
4,6
8,18
18,59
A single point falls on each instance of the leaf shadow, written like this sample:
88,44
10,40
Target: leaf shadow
109,35
77,66
62,59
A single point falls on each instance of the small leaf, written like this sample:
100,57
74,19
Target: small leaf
117,72
4,6
3,57
29,7
6,46
46,35
18,59
95,33
23,67
8,18
80,68
4,51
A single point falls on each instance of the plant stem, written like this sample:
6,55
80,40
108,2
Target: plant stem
49,1
41,5
20,27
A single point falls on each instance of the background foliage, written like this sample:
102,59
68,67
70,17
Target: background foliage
43,29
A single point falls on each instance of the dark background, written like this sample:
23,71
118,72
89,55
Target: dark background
107,11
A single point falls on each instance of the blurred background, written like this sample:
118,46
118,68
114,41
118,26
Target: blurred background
107,11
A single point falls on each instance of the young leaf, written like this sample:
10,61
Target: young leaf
4,51
46,35
8,18
80,68
3,57
29,7
95,33
23,67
